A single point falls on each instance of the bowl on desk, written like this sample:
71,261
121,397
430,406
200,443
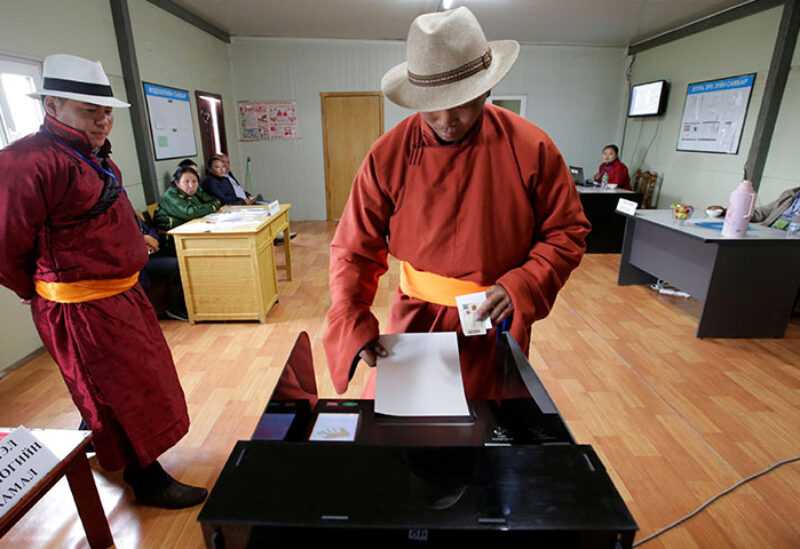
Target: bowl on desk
612,186
713,212
681,212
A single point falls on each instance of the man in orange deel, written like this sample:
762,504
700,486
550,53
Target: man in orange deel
70,246
470,197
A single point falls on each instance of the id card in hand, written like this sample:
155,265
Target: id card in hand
467,308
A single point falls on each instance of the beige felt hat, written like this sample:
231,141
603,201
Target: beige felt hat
449,62
77,78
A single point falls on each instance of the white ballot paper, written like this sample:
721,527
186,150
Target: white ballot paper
420,377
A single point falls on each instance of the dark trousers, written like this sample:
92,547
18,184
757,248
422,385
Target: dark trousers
164,267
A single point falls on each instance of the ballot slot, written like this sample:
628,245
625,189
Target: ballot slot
524,414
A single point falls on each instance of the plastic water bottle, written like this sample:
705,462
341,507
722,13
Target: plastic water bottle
604,181
793,230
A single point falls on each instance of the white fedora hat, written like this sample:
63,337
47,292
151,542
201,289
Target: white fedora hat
449,62
77,78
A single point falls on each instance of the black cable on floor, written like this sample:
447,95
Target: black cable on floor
715,498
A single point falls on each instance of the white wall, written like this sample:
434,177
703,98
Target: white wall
782,170
176,54
35,29
285,69
169,51
38,28
574,93
739,47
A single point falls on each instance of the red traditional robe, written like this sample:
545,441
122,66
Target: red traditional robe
617,173
60,223
498,208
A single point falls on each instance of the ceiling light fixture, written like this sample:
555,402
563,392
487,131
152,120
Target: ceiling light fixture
447,4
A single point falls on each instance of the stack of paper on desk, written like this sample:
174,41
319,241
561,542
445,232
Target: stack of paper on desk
420,377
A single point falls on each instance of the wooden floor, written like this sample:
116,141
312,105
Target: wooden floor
675,419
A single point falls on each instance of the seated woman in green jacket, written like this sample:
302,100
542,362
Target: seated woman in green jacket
183,201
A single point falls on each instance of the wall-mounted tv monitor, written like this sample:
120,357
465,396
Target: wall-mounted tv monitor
648,99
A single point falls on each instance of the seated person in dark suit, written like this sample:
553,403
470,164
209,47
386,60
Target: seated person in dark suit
183,201
226,189
162,266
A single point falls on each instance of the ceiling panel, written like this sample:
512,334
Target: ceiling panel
589,22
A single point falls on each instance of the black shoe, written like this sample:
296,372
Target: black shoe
279,239
175,496
178,315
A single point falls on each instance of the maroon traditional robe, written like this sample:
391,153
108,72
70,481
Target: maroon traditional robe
60,221
498,208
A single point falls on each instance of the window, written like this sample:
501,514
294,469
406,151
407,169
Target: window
514,103
20,115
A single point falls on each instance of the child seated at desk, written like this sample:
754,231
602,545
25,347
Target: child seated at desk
183,201
613,167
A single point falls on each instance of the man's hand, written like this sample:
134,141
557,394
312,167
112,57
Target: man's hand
371,352
498,305
249,200
151,243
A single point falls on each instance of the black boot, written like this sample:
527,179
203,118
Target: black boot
154,487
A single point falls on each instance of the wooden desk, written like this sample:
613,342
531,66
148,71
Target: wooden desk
747,286
230,273
70,448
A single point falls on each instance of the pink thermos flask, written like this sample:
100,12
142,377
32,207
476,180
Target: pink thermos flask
740,209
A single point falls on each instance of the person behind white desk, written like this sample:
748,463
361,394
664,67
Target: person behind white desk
613,169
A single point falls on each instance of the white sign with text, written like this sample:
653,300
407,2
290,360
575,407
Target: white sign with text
24,462
627,206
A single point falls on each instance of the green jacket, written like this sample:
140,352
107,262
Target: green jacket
176,208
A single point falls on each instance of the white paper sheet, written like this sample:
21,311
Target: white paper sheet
191,228
420,377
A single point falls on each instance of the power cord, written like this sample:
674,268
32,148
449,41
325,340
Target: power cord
715,498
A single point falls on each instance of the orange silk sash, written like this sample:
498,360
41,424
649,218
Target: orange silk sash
434,288
84,290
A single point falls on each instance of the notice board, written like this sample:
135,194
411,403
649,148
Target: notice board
171,126
714,113
268,120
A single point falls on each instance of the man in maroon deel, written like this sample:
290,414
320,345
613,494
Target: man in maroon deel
470,197
70,246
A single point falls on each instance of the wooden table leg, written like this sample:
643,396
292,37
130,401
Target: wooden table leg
87,500
287,250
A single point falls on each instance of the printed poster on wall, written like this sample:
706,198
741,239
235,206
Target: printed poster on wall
714,113
272,120
171,125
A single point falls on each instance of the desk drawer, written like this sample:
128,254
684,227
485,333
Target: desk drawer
279,224
226,242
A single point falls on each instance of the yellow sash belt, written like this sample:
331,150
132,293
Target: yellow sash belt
434,288
84,290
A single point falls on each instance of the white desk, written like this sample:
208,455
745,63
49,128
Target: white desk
747,286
